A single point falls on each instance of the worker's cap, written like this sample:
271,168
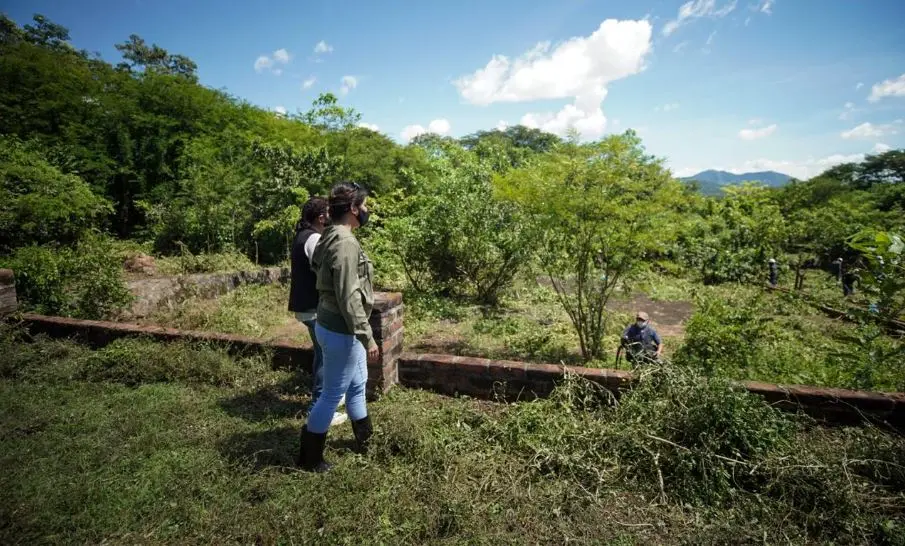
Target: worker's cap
771,261
641,315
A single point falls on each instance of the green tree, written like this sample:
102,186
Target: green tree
327,114
155,58
600,208
38,203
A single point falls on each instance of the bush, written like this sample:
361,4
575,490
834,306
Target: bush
453,237
723,334
677,434
85,281
187,262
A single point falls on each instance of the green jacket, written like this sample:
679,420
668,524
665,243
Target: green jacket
344,276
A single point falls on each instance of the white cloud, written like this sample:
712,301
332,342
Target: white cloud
754,134
667,107
766,7
348,83
411,131
696,9
323,47
579,68
502,125
747,20
679,47
879,148
370,126
859,85
868,130
893,87
847,110
280,110
755,121
264,63
309,82
281,56
710,38
439,126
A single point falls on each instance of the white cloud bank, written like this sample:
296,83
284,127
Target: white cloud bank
868,130
438,126
893,87
271,63
579,68
755,134
347,83
697,9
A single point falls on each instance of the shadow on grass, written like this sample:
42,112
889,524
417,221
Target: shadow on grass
274,448
288,399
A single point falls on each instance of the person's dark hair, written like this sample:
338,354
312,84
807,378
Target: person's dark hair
312,208
344,196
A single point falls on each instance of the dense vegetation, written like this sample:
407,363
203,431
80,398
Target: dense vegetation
162,444
100,160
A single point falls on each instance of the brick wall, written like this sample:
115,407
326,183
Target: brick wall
507,380
8,303
386,323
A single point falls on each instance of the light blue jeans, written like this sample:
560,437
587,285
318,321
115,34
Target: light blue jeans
345,369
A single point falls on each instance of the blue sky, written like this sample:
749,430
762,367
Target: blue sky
789,85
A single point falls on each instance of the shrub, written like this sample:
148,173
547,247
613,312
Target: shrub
723,334
453,237
85,281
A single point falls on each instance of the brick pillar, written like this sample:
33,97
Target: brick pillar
8,302
386,322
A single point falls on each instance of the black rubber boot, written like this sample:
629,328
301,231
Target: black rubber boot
311,451
362,430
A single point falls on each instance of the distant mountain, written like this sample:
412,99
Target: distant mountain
711,182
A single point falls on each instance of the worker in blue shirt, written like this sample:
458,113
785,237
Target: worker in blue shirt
641,342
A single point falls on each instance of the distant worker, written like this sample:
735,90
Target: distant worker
849,278
641,342
774,272
846,276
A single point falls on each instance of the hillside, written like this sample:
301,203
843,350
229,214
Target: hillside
711,181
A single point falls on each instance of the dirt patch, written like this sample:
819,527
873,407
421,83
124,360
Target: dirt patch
668,317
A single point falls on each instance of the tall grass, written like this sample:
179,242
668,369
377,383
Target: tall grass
116,445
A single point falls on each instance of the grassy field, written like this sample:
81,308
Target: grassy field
147,443
784,340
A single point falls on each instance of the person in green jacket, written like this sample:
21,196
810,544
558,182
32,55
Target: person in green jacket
346,297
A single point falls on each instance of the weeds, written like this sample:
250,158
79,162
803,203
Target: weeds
95,451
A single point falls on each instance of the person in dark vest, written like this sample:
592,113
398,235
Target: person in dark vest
774,272
641,342
303,296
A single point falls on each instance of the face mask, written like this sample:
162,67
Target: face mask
362,217
641,323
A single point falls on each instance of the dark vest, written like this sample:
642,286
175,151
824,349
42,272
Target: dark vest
303,281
